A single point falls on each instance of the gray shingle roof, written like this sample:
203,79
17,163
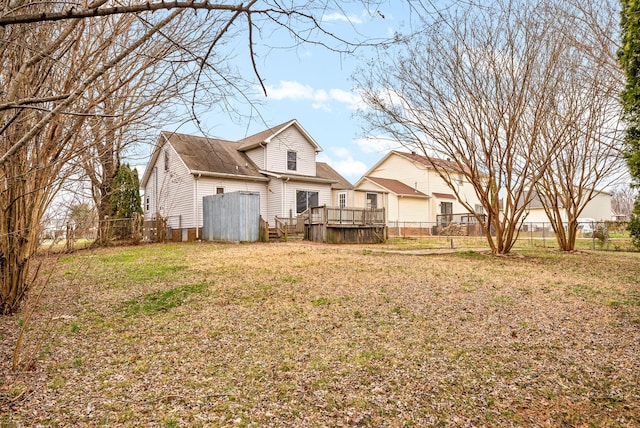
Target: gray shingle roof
325,171
212,155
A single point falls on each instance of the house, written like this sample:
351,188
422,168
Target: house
596,210
414,194
278,163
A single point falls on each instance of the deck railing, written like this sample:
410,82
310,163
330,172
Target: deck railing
292,224
464,218
334,216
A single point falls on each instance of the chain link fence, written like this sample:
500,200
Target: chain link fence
595,235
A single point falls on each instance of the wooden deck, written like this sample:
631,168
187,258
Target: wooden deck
346,225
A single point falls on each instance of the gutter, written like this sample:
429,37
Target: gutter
226,175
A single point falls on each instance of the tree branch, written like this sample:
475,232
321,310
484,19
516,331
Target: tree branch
29,101
74,13
83,87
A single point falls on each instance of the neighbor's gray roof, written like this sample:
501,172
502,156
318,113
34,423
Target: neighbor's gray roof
203,154
325,171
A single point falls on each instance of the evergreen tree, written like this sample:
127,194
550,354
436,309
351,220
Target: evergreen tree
125,200
629,55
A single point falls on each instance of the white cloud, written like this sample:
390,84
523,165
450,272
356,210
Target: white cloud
291,91
321,106
321,98
354,101
342,161
341,17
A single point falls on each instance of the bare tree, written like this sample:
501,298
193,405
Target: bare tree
622,200
585,120
55,65
476,86
141,92
33,168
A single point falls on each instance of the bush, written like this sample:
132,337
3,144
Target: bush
634,230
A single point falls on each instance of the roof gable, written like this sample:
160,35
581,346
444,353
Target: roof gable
265,137
430,162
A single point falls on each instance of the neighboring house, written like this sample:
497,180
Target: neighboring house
597,209
410,189
278,163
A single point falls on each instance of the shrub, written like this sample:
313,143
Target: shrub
634,229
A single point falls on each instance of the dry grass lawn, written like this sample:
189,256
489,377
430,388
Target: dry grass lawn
301,334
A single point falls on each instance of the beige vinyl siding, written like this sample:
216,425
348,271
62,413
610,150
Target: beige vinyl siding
274,200
538,218
408,209
291,140
402,169
335,197
257,156
598,208
171,190
360,196
427,181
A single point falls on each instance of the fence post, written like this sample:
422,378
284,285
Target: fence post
70,237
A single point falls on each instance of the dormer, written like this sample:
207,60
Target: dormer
283,149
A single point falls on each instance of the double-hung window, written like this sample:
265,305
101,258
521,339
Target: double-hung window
292,161
342,200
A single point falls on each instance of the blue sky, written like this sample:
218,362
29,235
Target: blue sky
313,85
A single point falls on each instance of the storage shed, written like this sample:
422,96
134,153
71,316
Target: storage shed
231,216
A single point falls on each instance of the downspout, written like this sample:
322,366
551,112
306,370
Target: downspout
284,196
155,191
195,205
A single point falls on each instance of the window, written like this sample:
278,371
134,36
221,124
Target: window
219,190
147,203
166,160
292,161
446,207
372,201
342,200
446,211
305,200
478,209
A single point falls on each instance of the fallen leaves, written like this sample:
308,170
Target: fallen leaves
301,334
